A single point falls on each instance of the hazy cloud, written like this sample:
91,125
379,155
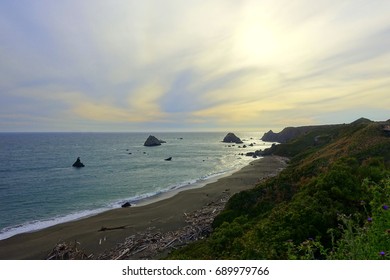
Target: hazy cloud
202,65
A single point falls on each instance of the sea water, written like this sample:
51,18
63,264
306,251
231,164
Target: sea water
40,188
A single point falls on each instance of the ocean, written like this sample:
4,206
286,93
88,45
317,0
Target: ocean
40,188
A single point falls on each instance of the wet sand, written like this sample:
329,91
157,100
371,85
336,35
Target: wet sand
162,215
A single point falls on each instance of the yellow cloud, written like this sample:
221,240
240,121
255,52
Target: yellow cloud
140,106
104,112
145,98
236,113
247,87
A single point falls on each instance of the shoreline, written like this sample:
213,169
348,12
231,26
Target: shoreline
164,214
190,186
148,199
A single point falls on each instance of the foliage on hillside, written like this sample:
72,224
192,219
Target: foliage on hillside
330,203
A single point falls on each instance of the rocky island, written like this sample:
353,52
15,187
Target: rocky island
78,163
153,141
232,138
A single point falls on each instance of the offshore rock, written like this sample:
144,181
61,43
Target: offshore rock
78,163
232,138
153,141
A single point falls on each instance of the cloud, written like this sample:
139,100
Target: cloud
141,104
166,64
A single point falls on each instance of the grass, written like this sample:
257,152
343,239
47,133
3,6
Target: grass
330,203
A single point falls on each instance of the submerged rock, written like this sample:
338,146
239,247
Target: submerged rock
232,138
78,163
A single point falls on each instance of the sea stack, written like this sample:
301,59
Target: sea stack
78,163
232,138
153,141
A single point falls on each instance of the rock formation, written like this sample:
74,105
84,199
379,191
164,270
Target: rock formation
232,138
78,163
153,141
255,154
125,205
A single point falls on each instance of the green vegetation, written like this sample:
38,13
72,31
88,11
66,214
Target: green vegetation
331,202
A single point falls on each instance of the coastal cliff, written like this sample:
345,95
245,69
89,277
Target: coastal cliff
337,179
290,133
286,134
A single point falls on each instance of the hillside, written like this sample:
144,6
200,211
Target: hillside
330,202
290,133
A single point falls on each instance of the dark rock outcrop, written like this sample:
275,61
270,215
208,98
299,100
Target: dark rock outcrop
232,138
153,141
125,205
255,154
78,163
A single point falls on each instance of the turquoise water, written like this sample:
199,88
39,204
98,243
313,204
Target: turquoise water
39,187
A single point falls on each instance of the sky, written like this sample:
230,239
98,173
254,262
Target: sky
194,65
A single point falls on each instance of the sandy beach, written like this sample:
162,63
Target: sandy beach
162,215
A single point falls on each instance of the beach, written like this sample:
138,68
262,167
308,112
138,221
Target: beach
102,232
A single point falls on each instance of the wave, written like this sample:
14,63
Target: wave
199,182
41,224
176,187
140,199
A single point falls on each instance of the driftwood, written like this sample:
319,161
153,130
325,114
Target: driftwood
150,244
68,251
122,254
111,228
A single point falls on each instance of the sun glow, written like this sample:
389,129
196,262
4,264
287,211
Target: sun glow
259,40
266,38
258,43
